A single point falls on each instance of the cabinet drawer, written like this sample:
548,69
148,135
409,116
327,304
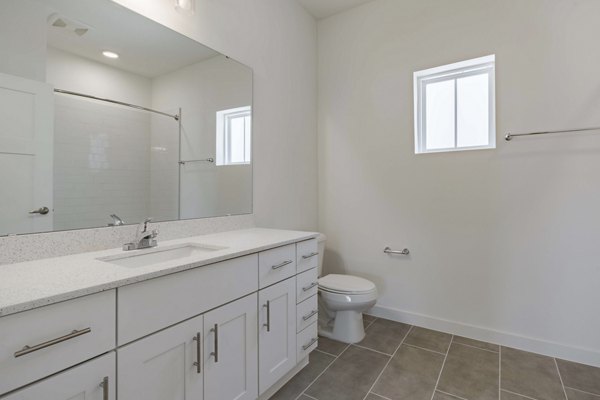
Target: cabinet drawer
307,285
152,305
277,264
91,380
307,255
58,336
307,341
306,313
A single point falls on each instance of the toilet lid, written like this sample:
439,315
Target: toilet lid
346,283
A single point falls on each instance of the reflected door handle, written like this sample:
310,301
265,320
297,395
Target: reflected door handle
42,210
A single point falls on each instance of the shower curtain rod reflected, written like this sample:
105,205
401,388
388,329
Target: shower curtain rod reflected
87,96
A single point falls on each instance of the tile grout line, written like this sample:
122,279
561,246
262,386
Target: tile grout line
583,391
560,377
322,372
500,373
448,394
388,362
518,394
310,397
370,349
442,369
423,348
378,395
324,352
475,347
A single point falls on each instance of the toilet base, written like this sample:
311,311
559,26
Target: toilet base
346,326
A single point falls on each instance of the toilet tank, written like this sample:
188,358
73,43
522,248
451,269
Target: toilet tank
321,243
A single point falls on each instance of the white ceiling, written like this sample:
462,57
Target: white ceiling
145,47
326,8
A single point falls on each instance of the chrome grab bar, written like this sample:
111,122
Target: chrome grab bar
105,388
198,364
283,264
313,341
311,255
307,288
403,252
30,349
308,316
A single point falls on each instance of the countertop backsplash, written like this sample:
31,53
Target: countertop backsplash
14,249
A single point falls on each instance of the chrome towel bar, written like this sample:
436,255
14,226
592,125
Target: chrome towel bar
403,252
209,160
510,136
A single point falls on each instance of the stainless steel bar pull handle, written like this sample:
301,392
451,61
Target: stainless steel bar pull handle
41,210
216,352
198,364
30,349
307,316
313,341
268,324
310,255
283,264
105,388
307,288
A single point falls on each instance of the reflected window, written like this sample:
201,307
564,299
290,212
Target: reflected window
455,107
234,131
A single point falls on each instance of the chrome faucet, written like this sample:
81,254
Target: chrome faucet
117,221
144,238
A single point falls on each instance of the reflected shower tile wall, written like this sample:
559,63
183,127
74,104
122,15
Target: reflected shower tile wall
101,163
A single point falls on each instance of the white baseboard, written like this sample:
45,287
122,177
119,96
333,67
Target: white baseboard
552,349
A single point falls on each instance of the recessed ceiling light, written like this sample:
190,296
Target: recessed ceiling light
110,54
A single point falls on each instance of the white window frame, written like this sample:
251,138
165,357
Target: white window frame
477,66
224,134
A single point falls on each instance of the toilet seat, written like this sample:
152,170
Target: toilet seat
346,284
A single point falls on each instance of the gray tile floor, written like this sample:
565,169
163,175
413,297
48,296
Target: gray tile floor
397,361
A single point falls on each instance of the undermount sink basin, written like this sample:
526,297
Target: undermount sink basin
143,258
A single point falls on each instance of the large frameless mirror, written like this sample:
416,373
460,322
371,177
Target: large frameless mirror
107,117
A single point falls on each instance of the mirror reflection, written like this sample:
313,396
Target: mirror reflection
107,118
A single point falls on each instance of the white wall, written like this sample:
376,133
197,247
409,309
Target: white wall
503,242
23,39
277,38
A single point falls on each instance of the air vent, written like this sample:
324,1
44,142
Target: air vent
67,25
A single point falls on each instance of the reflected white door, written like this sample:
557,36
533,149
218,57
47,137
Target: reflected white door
26,150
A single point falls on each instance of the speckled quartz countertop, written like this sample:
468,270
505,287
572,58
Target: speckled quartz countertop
27,285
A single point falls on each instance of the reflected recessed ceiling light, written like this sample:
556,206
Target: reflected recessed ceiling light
110,54
185,5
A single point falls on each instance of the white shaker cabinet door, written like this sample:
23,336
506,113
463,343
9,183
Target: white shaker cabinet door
277,332
231,351
163,365
93,380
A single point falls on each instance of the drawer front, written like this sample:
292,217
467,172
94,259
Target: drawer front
276,265
149,306
306,313
307,285
307,255
58,336
307,341
81,382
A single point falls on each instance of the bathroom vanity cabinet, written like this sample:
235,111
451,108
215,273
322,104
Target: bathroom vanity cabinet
234,329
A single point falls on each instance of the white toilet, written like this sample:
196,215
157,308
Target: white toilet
342,300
